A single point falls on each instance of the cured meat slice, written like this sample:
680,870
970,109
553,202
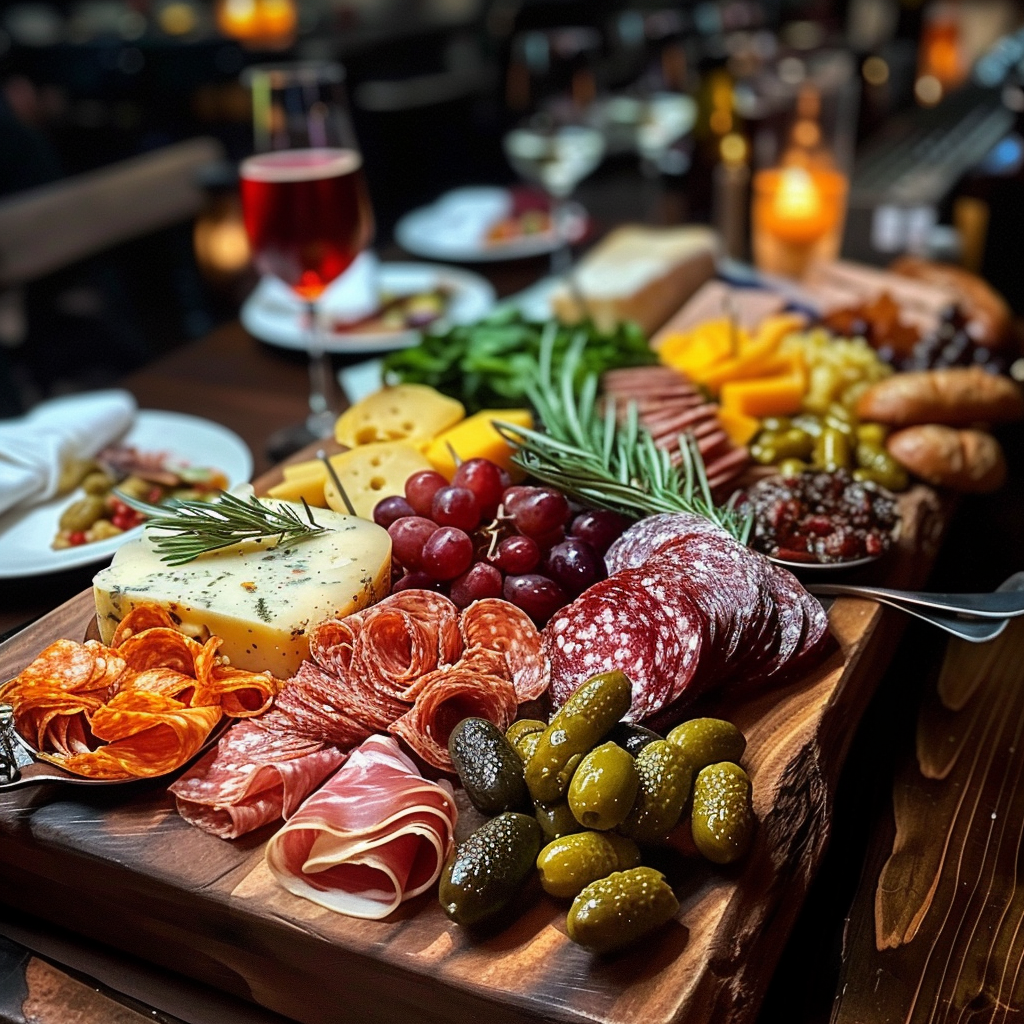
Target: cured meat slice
255,775
376,834
502,627
445,697
645,538
331,643
321,707
619,624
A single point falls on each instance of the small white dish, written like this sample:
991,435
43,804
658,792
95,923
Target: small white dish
275,315
27,533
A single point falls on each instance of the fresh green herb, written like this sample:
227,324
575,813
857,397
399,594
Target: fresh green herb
188,529
262,610
589,455
487,365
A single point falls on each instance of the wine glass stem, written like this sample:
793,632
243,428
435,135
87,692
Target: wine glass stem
320,421
561,255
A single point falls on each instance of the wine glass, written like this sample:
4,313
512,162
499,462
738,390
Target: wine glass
304,200
559,144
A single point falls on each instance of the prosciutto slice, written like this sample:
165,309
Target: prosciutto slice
375,834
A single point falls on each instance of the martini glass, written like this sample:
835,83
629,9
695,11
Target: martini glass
304,201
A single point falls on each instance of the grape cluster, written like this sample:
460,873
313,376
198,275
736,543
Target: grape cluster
479,537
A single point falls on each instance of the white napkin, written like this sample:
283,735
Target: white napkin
35,447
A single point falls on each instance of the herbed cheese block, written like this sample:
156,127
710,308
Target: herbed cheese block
261,599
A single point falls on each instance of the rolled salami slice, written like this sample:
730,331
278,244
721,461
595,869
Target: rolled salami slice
376,834
502,627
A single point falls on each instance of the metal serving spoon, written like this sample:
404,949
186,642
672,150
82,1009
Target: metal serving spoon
19,765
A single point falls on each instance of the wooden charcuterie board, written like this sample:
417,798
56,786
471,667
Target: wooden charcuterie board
118,865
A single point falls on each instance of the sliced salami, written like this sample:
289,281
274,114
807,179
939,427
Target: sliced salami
331,643
647,537
319,706
502,627
449,696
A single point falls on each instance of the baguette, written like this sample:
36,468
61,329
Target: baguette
963,460
957,396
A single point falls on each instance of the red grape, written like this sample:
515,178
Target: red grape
538,596
476,583
511,496
541,512
421,487
417,581
600,528
574,565
456,506
546,541
448,553
506,479
388,510
516,555
483,478
408,535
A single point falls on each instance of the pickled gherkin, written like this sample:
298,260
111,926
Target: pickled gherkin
524,736
705,741
556,820
722,819
604,787
484,874
616,911
632,737
491,772
583,721
568,864
665,779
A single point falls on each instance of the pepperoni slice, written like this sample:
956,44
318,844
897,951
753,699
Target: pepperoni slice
446,698
502,627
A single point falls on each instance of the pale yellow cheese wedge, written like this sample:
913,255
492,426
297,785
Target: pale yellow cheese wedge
260,599
371,472
399,413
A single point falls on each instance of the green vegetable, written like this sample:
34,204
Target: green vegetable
488,365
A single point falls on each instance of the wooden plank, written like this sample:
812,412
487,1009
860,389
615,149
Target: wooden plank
46,228
126,870
936,932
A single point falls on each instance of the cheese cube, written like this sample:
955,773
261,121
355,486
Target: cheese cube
259,598
402,412
476,438
302,488
371,472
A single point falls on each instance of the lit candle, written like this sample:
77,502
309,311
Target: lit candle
258,22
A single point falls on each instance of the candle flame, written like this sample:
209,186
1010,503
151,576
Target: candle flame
798,197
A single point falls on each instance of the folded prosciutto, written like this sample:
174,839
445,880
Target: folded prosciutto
375,834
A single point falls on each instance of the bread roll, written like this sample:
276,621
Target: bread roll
964,460
957,396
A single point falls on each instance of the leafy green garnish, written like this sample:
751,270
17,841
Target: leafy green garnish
489,365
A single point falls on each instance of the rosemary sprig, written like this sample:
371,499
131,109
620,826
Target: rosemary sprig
193,528
589,455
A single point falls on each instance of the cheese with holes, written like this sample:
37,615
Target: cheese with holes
372,472
403,412
260,598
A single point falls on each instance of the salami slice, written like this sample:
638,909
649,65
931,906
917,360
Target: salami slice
255,775
319,706
331,643
446,697
502,627
647,537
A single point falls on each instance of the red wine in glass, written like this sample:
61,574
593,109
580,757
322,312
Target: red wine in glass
308,215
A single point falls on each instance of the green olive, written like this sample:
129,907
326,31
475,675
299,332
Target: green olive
135,487
604,787
81,514
98,483
722,819
566,865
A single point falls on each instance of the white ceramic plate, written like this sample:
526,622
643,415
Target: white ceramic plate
273,314
454,228
26,534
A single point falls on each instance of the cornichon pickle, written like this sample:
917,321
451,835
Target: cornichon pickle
792,467
583,721
604,787
491,772
556,820
483,874
706,741
616,911
632,737
832,450
523,735
881,466
81,514
566,865
793,444
808,423
873,433
775,424
665,777
722,818
98,483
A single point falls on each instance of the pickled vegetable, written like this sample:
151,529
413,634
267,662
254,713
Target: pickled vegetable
616,911
722,819
491,772
665,779
632,737
524,736
81,514
832,450
556,820
484,874
706,741
572,862
604,787
583,721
